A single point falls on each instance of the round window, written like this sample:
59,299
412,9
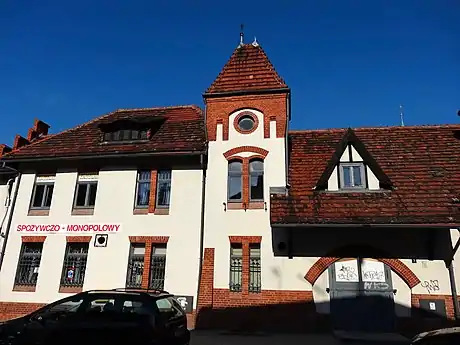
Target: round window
246,123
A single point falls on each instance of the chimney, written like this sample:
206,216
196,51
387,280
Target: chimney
20,141
4,149
39,129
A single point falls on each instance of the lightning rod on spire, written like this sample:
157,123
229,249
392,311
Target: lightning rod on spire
241,35
401,114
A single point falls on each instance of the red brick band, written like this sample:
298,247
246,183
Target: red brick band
33,239
153,191
240,149
78,239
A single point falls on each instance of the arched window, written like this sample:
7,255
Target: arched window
256,181
235,181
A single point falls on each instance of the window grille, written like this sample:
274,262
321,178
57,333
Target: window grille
236,267
255,271
135,266
29,264
157,267
73,270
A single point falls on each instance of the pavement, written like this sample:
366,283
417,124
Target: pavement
222,338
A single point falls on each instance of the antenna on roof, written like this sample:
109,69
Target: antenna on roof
241,35
401,114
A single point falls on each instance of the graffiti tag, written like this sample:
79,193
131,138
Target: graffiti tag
373,276
347,274
376,286
430,285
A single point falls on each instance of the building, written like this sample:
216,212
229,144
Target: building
255,226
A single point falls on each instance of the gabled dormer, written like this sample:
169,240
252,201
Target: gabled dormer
352,169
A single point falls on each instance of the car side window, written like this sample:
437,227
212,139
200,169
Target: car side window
70,305
99,305
180,310
167,308
138,307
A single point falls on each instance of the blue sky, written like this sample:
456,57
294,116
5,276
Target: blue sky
348,63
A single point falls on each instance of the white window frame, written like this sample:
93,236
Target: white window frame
42,181
349,165
86,179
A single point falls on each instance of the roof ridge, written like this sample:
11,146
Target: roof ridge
300,131
193,106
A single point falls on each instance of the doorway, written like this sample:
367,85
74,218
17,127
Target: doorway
361,295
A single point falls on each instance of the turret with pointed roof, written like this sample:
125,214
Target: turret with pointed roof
247,80
248,69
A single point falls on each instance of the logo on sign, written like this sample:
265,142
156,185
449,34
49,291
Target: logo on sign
70,273
183,302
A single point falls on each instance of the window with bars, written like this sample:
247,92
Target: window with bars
135,266
157,267
28,264
74,267
163,188
42,193
236,267
85,194
255,271
143,189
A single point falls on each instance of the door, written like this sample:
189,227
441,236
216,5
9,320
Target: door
361,295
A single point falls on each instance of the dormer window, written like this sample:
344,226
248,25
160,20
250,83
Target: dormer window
126,135
352,176
130,130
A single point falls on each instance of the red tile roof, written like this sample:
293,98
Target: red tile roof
421,162
182,130
248,69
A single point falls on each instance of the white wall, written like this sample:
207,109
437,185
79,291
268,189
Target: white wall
277,273
5,207
107,267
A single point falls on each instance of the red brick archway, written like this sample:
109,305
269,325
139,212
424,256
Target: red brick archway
396,265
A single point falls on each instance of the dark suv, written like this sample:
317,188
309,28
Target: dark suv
119,316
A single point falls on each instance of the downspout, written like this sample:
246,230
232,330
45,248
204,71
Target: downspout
203,208
5,234
286,141
453,289
453,284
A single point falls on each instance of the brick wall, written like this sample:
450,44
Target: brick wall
273,310
285,310
12,310
273,107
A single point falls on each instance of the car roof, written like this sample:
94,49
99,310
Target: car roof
123,291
